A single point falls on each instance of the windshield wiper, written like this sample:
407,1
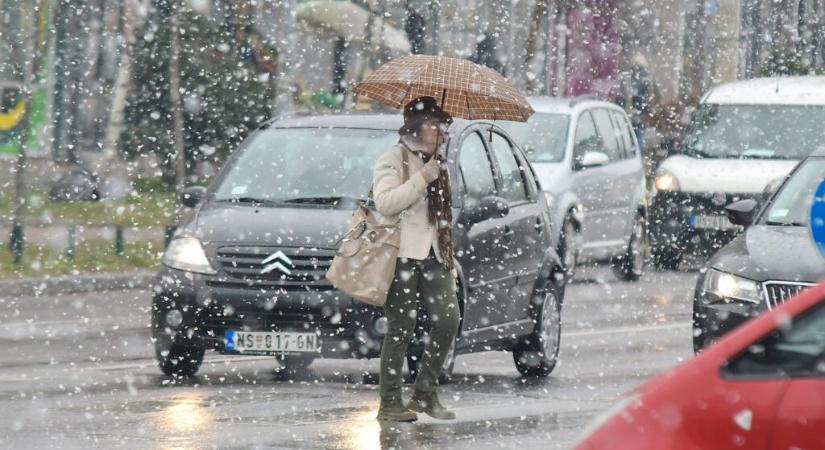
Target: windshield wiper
325,200
784,224
255,200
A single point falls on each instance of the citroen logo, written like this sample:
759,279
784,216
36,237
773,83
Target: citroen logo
279,263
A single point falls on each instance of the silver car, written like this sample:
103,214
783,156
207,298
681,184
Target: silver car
586,156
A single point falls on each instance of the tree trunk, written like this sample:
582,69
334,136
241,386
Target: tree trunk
120,90
177,113
28,34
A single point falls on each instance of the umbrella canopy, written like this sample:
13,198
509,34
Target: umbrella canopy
463,89
349,21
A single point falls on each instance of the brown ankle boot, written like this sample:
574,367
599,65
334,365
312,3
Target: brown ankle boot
427,403
395,411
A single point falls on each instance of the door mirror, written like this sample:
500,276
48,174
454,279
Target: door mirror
741,212
593,159
191,196
490,207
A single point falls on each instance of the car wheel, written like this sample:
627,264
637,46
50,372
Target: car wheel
631,265
176,359
666,257
293,364
536,355
568,250
414,361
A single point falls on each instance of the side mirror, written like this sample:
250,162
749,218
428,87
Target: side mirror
487,208
191,196
741,212
593,159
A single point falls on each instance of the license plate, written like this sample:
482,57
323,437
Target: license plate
712,222
266,342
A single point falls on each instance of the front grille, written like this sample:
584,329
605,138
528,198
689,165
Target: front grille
216,319
778,292
297,268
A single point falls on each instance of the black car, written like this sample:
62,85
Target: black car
774,259
245,273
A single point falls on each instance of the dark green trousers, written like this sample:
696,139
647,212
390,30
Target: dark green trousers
431,285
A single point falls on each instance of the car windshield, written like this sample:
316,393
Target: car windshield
542,137
304,163
791,205
755,131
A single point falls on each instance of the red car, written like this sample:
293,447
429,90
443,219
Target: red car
760,387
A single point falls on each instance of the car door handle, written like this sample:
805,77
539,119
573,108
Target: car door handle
539,226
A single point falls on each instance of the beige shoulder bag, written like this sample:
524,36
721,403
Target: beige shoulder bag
364,264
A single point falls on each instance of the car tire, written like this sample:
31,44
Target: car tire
178,360
567,249
414,360
666,257
631,265
536,355
294,364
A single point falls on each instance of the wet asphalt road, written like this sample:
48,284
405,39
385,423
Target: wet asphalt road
77,371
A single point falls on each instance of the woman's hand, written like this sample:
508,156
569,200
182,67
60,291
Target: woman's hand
431,169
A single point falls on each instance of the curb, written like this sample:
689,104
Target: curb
73,284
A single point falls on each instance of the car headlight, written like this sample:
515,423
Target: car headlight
730,287
666,181
186,253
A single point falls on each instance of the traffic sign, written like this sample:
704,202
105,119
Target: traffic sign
817,222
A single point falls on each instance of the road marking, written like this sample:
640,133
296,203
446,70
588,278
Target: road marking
636,329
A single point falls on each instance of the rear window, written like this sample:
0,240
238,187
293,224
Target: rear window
755,131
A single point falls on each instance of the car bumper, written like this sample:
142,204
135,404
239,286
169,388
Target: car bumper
713,317
345,328
673,220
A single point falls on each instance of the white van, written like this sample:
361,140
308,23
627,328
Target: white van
743,136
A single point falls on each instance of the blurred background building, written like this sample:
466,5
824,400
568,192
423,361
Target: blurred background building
102,78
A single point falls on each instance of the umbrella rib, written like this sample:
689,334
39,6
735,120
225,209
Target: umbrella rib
469,108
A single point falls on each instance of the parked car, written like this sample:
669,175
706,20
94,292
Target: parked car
743,136
761,387
771,261
245,274
586,156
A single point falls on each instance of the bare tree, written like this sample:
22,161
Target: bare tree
132,20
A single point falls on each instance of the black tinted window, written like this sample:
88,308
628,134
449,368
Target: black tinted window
795,349
476,171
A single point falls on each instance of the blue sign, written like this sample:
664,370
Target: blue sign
817,222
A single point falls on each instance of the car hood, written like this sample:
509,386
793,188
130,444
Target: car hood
306,225
765,252
725,175
550,175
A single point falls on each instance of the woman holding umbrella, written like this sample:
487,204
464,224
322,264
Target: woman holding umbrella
411,187
424,269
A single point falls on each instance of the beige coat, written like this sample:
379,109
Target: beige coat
394,199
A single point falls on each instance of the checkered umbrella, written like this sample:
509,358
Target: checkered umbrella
464,89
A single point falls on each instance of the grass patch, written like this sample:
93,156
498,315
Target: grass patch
89,257
153,207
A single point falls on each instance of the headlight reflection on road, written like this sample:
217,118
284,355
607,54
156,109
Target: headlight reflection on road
187,413
362,431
